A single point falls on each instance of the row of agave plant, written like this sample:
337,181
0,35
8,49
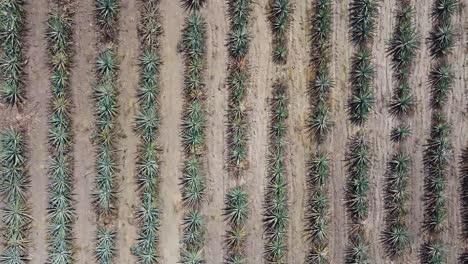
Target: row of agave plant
11,59
358,164
60,210
236,202
193,186
237,82
362,17
280,19
402,50
276,215
318,208
464,201
105,112
14,187
146,127
438,149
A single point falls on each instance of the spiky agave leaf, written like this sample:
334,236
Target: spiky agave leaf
441,40
235,238
236,210
464,191
239,12
400,133
443,10
320,121
321,31
362,100
105,245
192,256
318,218
363,15
441,79
279,16
319,254
106,14
358,251
106,64
194,230
150,26
238,42
58,32
396,238
433,252
192,185
193,36
397,193
358,164
193,5
404,43
318,171
236,258
402,102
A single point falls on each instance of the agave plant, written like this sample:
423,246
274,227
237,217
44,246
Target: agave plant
14,188
321,31
363,15
433,252
358,164
436,159
464,191
358,251
276,214
237,209
60,210
193,5
105,245
441,79
362,100
280,18
443,10
400,133
106,14
238,42
193,233
11,59
441,40
318,171
404,44
319,254
402,102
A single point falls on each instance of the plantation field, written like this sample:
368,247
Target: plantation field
275,110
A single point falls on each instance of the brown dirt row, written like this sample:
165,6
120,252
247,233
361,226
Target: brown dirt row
128,52
171,108
216,93
37,94
82,82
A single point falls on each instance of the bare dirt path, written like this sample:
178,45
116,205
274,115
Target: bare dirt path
128,52
83,127
216,103
37,92
337,140
296,74
457,115
171,108
261,69
378,128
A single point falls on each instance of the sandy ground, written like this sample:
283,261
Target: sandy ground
171,109
264,72
37,92
83,125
